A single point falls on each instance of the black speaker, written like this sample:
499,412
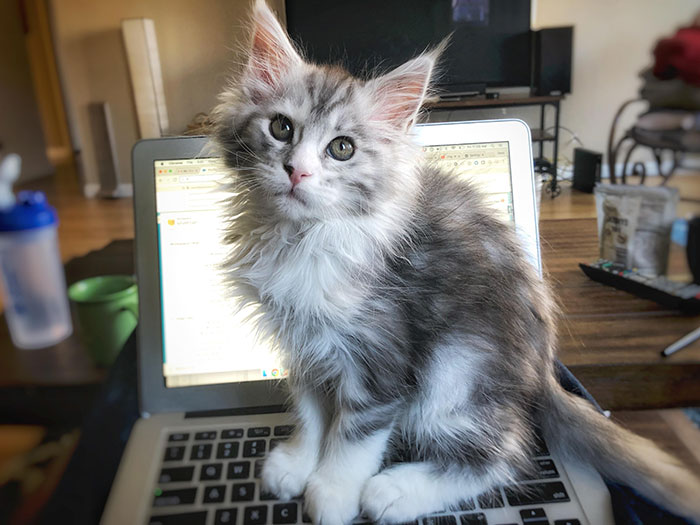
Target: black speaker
586,169
552,50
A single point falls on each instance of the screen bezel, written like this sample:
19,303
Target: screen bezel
517,134
154,396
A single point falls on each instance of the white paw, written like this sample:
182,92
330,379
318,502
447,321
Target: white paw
286,470
390,498
330,501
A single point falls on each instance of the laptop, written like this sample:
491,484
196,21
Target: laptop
212,396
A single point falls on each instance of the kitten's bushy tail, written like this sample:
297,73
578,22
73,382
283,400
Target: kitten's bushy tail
575,429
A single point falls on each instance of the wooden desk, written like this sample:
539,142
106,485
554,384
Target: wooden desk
57,384
608,338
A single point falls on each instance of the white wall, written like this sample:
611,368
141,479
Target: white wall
613,42
196,39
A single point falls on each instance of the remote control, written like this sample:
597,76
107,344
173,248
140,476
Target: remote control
672,294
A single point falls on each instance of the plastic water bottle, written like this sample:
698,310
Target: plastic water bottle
31,273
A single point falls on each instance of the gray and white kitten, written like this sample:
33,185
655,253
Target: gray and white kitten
408,315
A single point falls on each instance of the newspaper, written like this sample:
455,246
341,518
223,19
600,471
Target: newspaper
634,225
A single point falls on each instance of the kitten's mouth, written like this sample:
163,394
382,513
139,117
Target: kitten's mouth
293,196
296,196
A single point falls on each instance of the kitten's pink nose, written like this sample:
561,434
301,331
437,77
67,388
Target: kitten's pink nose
295,175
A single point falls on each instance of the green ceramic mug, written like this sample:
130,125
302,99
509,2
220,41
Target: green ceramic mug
107,309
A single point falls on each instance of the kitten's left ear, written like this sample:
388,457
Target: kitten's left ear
399,94
272,53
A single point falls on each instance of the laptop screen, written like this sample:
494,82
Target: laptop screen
486,165
205,340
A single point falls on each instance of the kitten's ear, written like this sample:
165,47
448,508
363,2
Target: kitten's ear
398,95
272,53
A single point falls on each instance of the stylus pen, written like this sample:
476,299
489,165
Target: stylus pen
682,342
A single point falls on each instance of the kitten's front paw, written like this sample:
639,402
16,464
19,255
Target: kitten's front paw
330,501
286,470
387,499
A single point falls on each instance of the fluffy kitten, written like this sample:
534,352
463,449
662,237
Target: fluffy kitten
408,315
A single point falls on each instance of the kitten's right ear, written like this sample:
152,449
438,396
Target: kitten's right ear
398,95
272,53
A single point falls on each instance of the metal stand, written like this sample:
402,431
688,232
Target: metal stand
657,141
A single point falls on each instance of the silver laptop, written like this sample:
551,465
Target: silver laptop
212,396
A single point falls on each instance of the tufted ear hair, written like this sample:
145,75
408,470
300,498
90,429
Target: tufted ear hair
271,53
399,94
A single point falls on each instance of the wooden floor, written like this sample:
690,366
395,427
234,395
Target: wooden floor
84,224
88,224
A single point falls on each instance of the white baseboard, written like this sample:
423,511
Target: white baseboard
92,190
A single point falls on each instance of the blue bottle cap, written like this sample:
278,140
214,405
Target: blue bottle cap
31,211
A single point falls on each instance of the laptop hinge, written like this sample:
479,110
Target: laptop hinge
245,411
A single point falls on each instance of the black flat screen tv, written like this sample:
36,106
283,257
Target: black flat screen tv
490,43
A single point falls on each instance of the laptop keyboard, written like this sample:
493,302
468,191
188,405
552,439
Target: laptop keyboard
212,477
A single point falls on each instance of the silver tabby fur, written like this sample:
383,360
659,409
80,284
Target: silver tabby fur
407,313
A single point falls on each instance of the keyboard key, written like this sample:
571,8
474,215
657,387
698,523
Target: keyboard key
284,430
491,500
188,518
477,518
284,513
227,450
179,436
243,492
258,432
440,520
567,522
254,449
225,517
534,517
171,475
276,441
258,468
174,497
200,452
174,453
208,435
530,514
255,515
537,494
267,496
305,518
546,469
540,447
214,494
238,470
210,472
467,504
232,433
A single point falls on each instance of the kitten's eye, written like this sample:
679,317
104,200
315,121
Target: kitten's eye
281,128
341,148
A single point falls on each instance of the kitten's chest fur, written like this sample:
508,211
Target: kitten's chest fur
307,277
